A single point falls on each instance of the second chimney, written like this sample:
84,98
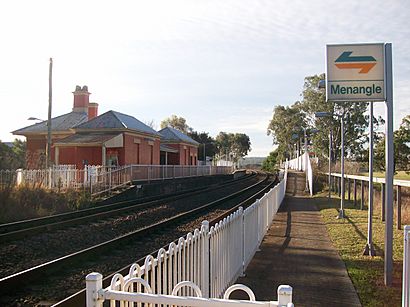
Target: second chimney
92,110
81,99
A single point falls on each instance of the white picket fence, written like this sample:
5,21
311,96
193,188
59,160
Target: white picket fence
303,163
55,178
204,263
100,179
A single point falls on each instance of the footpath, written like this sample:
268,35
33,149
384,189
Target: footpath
297,251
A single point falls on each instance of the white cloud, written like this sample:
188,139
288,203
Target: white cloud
222,65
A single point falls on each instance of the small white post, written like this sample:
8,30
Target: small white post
406,270
284,295
258,211
19,176
205,260
242,236
93,283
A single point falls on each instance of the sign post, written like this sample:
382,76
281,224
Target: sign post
363,73
388,233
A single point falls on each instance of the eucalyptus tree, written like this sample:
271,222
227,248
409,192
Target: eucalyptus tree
234,145
353,114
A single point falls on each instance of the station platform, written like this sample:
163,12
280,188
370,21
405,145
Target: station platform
297,251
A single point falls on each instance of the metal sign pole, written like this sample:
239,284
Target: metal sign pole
306,161
330,163
342,179
369,249
388,235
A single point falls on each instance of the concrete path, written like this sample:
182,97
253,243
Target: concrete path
297,251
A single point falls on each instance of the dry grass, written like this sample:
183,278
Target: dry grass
26,202
349,237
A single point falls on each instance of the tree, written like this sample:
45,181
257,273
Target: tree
206,141
232,145
13,157
176,122
401,141
151,123
241,144
353,114
269,164
286,123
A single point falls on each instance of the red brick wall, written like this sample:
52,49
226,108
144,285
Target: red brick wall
76,155
148,154
36,150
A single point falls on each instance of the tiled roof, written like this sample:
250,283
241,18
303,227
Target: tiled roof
59,123
172,134
116,120
89,138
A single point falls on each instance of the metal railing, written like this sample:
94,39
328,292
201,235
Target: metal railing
105,181
100,179
352,182
211,258
128,297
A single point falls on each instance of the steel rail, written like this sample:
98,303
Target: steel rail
71,219
22,278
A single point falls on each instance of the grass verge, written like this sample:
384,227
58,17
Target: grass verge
349,236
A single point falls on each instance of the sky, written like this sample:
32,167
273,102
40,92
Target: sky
222,65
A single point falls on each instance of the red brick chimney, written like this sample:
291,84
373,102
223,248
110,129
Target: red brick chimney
81,99
92,110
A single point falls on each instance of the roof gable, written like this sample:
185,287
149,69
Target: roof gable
172,134
116,120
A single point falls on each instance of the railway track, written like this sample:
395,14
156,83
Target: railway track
78,264
22,229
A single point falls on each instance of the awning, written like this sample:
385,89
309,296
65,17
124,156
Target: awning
166,148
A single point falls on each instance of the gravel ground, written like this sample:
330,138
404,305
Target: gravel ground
48,246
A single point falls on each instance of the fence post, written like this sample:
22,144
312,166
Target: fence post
405,293
93,283
205,282
354,192
383,201
398,207
49,178
110,179
362,194
348,188
19,179
284,295
258,211
242,238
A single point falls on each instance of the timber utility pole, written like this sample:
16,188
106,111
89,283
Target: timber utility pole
50,101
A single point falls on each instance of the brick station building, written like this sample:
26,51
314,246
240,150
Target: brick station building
82,137
185,149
